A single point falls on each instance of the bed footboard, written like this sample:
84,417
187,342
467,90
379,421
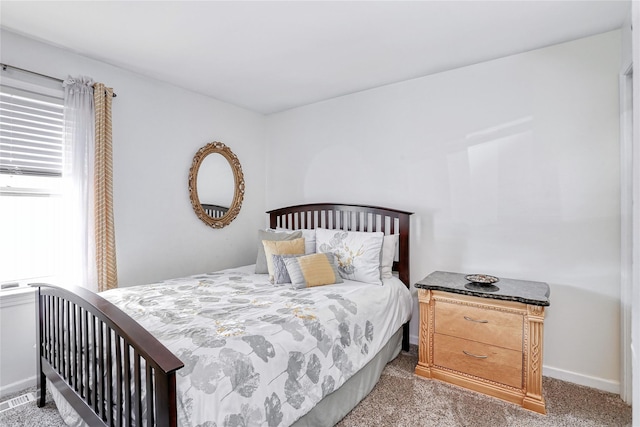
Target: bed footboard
110,369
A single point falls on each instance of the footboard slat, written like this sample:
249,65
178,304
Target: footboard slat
100,377
88,349
138,385
85,345
67,367
109,364
94,372
74,346
149,385
127,381
119,381
46,325
57,315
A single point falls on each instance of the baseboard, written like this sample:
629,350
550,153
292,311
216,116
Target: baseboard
581,379
17,386
413,339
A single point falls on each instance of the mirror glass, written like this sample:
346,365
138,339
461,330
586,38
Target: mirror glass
216,185
215,181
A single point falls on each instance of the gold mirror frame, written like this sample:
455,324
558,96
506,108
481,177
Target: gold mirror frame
238,196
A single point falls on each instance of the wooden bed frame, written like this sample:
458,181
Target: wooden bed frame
90,349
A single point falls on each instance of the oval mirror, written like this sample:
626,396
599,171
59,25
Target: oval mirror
216,185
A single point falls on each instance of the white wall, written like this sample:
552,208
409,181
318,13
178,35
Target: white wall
157,129
635,296
17,341
511,167
627,216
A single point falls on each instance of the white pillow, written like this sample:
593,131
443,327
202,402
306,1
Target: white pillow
389,244
358,253
309,236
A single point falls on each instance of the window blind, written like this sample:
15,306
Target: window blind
31,133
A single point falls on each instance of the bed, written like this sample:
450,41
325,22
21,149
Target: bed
183,351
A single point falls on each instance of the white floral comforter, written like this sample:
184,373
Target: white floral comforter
258,354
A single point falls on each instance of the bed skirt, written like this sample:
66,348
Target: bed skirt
335,406
328,412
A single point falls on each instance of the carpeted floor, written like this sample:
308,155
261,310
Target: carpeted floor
401,399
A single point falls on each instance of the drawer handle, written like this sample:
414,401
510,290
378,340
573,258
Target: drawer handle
474,320
474,355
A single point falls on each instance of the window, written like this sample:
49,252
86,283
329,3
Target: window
31,135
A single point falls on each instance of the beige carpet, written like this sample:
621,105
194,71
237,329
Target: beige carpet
403,399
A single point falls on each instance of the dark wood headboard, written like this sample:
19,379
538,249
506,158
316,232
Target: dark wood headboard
350,218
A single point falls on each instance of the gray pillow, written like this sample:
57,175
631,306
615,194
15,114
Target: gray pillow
280,273
261,259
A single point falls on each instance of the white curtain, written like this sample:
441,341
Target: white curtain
79,267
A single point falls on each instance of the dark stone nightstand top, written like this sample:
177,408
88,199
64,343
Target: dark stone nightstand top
524,291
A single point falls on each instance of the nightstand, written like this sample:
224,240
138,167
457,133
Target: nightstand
484,338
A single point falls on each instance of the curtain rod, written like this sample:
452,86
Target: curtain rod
5,66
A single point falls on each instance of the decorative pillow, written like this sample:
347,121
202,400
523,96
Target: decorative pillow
357,253
280,273
281,247
261,259
389,244
312,270
309,238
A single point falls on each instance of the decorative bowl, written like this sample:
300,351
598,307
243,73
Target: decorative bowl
482,279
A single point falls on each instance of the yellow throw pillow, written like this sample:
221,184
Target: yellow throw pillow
313,270
281,247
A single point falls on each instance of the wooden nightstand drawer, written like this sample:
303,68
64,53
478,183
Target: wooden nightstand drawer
493,327
481,360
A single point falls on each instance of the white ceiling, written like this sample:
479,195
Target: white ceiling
271,56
